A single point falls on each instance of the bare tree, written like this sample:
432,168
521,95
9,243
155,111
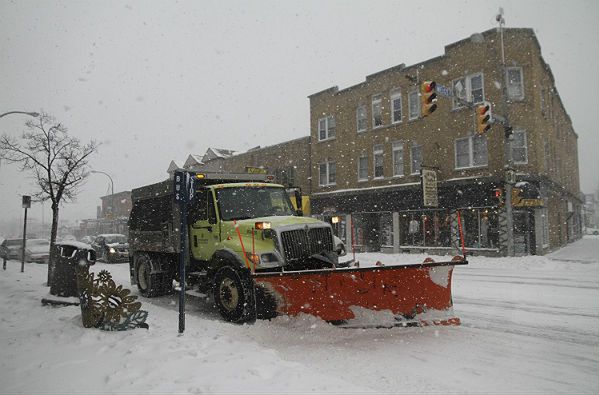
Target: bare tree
57,160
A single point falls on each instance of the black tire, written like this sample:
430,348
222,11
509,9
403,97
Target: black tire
234,295
148,284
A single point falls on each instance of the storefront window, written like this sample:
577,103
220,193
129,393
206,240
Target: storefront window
433,228
428,228
480,228
386,224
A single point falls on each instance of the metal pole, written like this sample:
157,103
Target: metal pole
182,189
507,138
33,114
24,242
183,227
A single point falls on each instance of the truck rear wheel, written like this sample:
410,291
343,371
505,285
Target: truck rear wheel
149,284
234,295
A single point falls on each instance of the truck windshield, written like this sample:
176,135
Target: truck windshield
253,202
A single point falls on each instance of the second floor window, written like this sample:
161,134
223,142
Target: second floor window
363,168
326,128
361,120
377,111
519,148
378,161
395,106
397,158
514,85
327,173
469,88
416,158
414,105
471,152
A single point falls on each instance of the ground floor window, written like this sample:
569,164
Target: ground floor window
386,225
480,227
439,228
431,228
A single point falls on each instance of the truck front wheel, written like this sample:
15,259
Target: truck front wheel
234,295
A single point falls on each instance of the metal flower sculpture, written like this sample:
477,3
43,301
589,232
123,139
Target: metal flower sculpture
107,306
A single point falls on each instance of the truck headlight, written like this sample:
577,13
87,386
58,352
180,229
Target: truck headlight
111,250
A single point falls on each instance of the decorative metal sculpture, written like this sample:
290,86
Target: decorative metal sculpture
105,305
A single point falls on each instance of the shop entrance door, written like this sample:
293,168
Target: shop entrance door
524,232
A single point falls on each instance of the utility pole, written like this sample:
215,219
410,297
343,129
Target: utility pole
26,204
509,177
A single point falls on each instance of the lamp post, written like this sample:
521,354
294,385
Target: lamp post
33,114
111,191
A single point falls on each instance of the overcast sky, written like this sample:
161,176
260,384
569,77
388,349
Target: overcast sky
154,81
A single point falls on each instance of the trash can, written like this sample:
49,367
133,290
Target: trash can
69,259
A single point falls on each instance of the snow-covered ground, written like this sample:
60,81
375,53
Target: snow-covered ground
529,324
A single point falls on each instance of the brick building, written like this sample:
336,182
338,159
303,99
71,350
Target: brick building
369,144
361,164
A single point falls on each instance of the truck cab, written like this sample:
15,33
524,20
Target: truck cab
257,222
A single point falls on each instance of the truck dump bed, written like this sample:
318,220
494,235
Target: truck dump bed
154,220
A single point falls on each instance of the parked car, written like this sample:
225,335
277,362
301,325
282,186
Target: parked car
36,250
111,248
9,248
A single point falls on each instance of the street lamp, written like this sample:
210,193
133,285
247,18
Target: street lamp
111,191
33,114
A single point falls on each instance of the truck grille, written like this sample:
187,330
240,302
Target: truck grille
302,243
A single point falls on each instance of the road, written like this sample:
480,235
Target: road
529,324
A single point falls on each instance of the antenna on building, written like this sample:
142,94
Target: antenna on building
499,16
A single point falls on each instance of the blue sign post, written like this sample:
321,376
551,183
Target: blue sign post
182,196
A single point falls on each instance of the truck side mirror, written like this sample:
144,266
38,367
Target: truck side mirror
298,202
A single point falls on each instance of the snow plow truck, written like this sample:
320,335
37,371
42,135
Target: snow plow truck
248,248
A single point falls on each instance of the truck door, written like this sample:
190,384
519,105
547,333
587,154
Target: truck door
204,233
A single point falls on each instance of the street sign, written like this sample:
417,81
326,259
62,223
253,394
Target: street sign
444,91
510,176
26,202
430,194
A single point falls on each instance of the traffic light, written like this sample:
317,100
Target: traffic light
498,195
428,97
483,118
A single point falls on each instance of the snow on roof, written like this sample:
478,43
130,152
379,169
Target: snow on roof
222,153
77,244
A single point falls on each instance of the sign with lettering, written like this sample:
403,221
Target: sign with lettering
255,170
430,193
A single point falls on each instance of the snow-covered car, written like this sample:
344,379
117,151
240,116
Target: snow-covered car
112,247
88,239
36,250
9,248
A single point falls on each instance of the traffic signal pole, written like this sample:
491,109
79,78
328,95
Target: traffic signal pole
507,138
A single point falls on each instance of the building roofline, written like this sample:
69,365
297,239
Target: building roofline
253,150
403,68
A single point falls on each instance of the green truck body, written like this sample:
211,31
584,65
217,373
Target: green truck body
238,225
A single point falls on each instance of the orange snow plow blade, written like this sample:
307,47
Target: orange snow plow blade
405,295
